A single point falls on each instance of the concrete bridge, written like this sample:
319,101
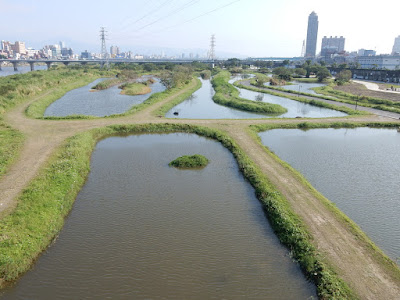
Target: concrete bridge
102,62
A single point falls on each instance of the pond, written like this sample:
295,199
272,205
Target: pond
357,169
83,101
140,229
201,106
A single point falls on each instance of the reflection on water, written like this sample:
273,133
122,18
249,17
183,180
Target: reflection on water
358,169
201,106
303,87
142,230
83,101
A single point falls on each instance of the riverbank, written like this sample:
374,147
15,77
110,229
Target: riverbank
330,235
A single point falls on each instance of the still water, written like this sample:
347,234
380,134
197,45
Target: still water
303,87
6,71
201,106
140,229
83,101
357,169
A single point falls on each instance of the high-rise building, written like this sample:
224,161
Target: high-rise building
19,47
332,45
114,51
396,46
312,33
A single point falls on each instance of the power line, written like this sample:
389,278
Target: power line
204,14
148,14
192,2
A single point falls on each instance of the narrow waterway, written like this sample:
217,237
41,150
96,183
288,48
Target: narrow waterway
357,169
83,101
201,106
7,71
140,229
303,87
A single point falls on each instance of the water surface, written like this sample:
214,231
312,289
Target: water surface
357,169
6,71
201,106
140,229
83,101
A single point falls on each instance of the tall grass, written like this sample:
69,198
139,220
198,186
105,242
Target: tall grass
11,141
227,95
47,200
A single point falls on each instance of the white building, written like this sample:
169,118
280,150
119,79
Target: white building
379,62
396,46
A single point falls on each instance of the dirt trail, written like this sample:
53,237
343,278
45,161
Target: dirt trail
333,238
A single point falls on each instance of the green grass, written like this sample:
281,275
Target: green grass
195,161
44,204
11,141
385,261
135,88
179,99
227,95
106,84
371,102
314,102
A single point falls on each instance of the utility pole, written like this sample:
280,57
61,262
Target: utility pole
104,54
211,54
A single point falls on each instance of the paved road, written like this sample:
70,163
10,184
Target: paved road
378,112
375,87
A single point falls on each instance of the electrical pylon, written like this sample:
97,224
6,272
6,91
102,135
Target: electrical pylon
211,54
104,54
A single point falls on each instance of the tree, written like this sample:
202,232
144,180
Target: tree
343,76
283,73
285,62
261,80
322,73
300,72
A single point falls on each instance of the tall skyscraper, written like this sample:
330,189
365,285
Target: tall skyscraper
396,46
312,33
332,45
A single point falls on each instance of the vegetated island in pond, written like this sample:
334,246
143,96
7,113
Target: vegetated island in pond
195,161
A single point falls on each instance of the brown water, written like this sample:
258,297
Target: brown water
140,229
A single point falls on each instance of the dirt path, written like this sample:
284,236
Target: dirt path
354,263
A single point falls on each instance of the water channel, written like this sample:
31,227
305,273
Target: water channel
201,106
357,169
83,101
140,229
303,87
6,71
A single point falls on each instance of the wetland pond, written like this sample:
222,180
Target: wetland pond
83,101
357,169
140,229
201,106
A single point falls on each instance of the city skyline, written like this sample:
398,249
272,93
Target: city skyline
273,29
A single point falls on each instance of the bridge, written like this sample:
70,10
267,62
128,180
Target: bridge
102,62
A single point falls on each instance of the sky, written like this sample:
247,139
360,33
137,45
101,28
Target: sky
242,28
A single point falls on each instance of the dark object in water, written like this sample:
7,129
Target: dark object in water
176,113
298,117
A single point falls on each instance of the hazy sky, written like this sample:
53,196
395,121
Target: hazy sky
246,27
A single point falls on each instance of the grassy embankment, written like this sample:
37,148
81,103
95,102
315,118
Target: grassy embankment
195,85
44,204
366,101
195,161
227,95
314,102
374,250
16,89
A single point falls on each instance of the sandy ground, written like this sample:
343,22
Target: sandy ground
353,261
359,88
375,87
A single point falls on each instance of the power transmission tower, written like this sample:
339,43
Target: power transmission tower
211,54
104,54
